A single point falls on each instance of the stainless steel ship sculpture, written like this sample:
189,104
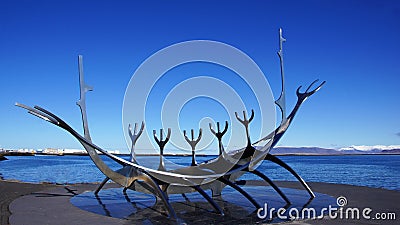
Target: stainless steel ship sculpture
197,177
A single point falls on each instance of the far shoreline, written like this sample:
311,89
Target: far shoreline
3,156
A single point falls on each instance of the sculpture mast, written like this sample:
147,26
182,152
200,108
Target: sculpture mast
281,101
82,101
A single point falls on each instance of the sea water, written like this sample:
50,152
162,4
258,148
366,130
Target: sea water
379,171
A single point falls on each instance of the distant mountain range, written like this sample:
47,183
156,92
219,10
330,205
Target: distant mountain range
353,150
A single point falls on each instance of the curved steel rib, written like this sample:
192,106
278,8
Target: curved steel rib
277,134
147,179
96,192
276,160
210,200
270,182
240,190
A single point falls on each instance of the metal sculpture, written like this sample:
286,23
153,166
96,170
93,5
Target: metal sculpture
196,177
219,136
161,143
193,144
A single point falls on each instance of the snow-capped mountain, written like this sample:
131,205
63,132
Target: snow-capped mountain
355,149
363,149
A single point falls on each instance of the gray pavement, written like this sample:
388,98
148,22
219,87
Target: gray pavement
53,206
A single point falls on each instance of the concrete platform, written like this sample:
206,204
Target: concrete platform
76,204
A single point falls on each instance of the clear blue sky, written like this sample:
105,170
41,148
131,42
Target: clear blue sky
353,45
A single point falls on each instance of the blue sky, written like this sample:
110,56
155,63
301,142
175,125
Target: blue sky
353,45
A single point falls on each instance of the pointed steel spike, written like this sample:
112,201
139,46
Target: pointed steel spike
212,130
315,81
200,135
139,133
186,138
168,134
226,127
237,117
251,116
155,137
130,131
42,116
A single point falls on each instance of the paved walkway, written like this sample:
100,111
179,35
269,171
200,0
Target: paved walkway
378,199
9,191
50,204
